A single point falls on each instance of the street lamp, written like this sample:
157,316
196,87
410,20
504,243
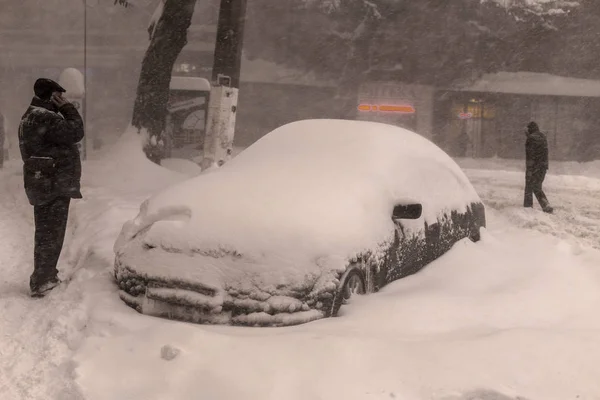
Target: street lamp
86,4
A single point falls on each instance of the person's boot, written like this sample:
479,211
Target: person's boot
43,289
548,209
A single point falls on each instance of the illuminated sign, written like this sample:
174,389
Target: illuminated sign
402,109
474,111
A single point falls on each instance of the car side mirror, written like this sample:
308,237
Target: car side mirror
407,211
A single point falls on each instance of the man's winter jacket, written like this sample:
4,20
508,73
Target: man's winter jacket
48,142
536,150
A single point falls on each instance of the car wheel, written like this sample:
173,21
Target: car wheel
352,283
475,236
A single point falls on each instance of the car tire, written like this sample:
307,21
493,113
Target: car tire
475,235
352,283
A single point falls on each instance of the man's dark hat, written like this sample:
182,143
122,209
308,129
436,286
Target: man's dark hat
43,88
533,127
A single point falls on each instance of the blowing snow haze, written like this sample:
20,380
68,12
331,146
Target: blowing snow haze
505,312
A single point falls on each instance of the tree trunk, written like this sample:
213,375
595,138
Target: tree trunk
167,40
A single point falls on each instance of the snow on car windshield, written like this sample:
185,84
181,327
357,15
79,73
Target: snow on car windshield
311,187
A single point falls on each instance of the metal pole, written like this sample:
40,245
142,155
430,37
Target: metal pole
222,108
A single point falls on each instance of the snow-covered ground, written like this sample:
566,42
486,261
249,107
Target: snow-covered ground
571,187
514,316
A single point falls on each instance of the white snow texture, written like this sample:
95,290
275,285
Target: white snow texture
514,316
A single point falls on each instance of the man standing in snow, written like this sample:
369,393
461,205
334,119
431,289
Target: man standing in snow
536,154
48,136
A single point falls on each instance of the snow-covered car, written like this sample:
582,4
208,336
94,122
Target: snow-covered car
286,232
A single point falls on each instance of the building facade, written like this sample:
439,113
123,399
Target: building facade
488,118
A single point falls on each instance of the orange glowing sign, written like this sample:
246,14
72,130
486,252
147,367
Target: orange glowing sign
403,109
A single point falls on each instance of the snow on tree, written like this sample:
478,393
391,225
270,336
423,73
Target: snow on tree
427,41
352,41
540,7
155,18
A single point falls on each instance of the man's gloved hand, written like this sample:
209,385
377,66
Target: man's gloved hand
59,101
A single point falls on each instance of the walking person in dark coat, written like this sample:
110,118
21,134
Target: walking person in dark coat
536,154
48,136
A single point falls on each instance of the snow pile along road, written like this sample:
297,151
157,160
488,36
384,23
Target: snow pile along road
516,313
36,336
514,316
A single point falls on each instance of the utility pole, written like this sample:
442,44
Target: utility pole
230,39
222,108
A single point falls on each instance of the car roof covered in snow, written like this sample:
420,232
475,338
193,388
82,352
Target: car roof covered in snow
314,187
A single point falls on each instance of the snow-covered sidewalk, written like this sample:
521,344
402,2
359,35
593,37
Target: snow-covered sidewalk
36,336
514,315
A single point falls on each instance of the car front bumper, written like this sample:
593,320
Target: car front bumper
180,300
